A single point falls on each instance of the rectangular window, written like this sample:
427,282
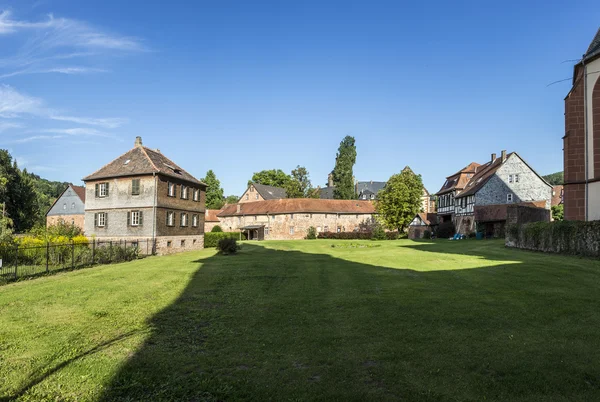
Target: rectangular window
134,218
291,230
183,243
273,218
516,178
195,220
172,189
170,218
184,192
196,194
339,229
510,178
101,190
100,219
318,229
239,220
325,228
169,243
257,196
184,219
509,197
266,230
291,216
135,187
247,196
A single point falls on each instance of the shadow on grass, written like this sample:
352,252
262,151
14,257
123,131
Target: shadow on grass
285,325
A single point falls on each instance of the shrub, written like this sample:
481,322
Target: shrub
446,230
345,235
395,235
311,234
211,239
227,246
378,233
217,229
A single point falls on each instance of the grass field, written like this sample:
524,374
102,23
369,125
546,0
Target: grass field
304,320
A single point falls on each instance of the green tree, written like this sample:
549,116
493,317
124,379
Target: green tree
300,185
18,195
343,176
231,199
555,178
214,192
400,200
273,177
558,212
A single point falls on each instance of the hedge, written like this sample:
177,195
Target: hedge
211,239
565,237
355,235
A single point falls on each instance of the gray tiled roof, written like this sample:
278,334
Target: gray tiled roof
326,193
141,161
594,48
373,186
270,192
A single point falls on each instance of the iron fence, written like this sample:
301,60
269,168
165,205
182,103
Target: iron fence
18,261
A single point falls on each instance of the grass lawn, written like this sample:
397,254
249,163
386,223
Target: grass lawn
302,320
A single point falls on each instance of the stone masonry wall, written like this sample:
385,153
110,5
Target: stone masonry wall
279,225
77,220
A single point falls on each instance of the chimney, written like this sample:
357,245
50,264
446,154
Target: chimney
493,157
239,208
330,180
503,155
138,142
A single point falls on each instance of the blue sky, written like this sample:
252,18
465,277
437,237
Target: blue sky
239,86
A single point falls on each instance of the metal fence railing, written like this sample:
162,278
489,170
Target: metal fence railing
18,261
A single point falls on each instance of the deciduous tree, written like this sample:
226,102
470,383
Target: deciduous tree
273,177
400,200
343,176
300,185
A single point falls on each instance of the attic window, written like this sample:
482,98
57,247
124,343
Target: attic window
127,162
173,168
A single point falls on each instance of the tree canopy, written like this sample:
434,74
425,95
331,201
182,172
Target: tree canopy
272,177
555,178
214,192
300,186
231,199
343,175
400,200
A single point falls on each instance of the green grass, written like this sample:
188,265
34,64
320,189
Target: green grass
303,320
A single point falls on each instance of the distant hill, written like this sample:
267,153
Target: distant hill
555,178
47,192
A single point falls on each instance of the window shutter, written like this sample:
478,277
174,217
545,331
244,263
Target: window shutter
128,218
97,189
167,218
141,218
107,189
106,219
96,215
174,190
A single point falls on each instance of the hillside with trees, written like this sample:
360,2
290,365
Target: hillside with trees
555,178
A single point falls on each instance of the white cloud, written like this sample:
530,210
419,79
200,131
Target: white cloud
60,70
44,42
14,104
36,138
78,131
5,125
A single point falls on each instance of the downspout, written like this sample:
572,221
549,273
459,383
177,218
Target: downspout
585,120
154,211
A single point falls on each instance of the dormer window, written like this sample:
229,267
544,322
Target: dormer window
372,196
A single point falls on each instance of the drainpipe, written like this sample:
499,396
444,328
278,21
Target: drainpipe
154,210
585,120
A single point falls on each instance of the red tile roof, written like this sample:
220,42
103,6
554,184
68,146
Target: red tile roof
299,205
459,180
142,161
211,215
80,191
557,195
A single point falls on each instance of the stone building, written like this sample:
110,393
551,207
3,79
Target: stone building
557,194
144,195
68,208
422,223
581,142
260,192
211,219
290,218
501,181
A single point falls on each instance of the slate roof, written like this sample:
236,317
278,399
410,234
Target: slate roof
459,180
372,186
299,205
594,48
326,193
270,192
79,191
142,161
211,215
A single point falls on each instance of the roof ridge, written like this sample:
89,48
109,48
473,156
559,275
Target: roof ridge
149,159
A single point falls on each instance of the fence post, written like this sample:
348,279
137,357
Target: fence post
72,254
16,259
47,255
93,250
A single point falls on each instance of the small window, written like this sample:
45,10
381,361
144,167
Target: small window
65,206
195,220
257,196
273,218
247,196
291,230
184,219
509,197
239,220
135,187
510,178
172,190
73,206
102,190
516,178
372,196
184,192
291,216
318,229
183,243
356,216
100,219
196,194
170,218
326,217
266,230
135,218
339,229
325,228
169,243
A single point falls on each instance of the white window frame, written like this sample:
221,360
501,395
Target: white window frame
171,189
509,197
101,219
170,218
510,178
247,197
516,178
195,220
266,230
184,192
184,219
291,230
196,194
102,189
135,218
65,206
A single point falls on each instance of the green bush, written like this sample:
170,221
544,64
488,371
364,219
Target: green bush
211,239
227,246
566,237
311,234
345,235
378,233
217,229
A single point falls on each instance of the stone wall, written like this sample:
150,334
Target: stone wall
520,214
250,195
280,225
76,220
164,244
208,226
